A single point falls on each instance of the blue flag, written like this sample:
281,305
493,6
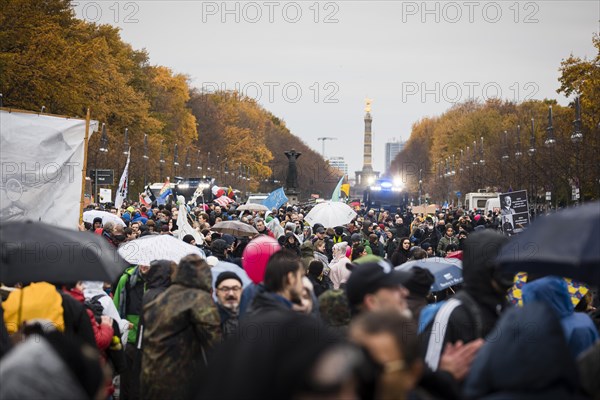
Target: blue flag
276,199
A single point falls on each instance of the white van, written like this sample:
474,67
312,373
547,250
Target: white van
477,201
256,198
492,205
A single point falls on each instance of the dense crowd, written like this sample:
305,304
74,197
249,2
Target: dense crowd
302,311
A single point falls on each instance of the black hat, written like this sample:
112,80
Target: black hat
97,219
420,281
227,275
188,238
320,230
339,230
369,277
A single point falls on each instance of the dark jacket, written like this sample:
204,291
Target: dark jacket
400,256
181,326
229,321
266,302
536,364
158,279
271,358
473,312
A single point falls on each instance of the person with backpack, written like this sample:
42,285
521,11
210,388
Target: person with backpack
472,312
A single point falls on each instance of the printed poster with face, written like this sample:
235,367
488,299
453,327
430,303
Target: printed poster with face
514,212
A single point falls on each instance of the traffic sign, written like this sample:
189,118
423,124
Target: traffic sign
105,176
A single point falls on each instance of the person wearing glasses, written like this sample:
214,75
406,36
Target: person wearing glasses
229,291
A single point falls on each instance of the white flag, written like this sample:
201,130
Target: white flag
184,227
42,163
123,184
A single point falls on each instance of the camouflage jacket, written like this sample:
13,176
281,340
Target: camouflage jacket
181,326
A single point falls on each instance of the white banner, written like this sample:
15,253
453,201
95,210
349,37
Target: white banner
184,227
42,160
123,184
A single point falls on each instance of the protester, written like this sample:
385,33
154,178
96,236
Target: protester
339,273
282,285
376,286
181,326
228,287
535,365
578,328
473,312
419,286
402,253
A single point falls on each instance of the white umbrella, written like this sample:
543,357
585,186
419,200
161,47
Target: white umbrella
88,216
330,214
252,207
146,249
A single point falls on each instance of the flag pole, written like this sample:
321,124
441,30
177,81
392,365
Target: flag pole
84,169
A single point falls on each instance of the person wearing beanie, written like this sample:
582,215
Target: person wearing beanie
228,287
419,287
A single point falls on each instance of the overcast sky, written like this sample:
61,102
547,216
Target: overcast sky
313,63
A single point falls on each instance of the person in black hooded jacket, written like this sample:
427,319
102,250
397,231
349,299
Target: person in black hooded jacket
528,359
474,311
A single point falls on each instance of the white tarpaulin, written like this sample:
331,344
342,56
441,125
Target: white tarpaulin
42,162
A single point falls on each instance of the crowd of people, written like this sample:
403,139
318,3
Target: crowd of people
301,311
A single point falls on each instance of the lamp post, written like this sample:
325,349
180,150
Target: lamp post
145,159
162,160
188,164
103,149
518,155
175,160
550,142
531,153
577,138
420,184
198,166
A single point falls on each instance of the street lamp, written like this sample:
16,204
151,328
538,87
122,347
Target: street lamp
162,159
175,160
505,156
198,166
550,141
481,159
531,150
145,158
126,144
188,164
577,135
104,140
518,152
577,138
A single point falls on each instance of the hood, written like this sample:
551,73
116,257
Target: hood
528,354
159,274
93,288
479,265
552,291
76,294
194,273
307,249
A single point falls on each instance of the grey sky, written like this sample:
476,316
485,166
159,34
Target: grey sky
390,51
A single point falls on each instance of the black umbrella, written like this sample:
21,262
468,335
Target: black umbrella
565,244
35,251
